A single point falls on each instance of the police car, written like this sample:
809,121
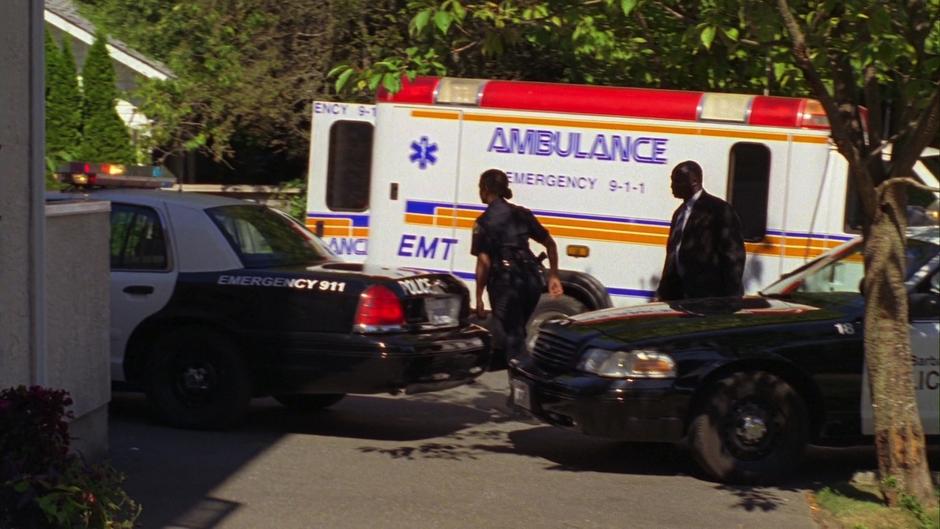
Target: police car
746,382
216,300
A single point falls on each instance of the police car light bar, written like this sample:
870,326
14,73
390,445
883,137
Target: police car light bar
82,174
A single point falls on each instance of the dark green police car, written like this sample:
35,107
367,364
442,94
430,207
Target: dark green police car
747,382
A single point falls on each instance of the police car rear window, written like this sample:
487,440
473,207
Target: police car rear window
264,238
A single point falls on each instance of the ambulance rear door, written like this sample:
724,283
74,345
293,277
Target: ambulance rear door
339,176
415,169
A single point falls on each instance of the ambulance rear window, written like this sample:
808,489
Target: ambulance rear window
348,167
748,187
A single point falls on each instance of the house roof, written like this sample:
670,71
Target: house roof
65,16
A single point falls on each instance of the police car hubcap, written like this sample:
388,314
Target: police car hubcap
751,429
750,426
196,379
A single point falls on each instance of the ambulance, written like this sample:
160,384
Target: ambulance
396,182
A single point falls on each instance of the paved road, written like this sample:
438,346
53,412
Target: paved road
452,459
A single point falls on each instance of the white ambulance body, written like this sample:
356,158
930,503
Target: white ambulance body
338,176
593,164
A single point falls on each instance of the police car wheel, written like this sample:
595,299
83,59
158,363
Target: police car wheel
309,402
752,428
550,308
197,379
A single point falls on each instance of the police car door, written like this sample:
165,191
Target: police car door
925,354
142,273
925,348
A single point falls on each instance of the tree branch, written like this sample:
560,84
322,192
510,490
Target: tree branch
677,14
884,186
805,64
873,100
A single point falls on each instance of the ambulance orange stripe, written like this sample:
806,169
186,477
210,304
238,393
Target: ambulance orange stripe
345,232
628,237
434,114
633,233
332,222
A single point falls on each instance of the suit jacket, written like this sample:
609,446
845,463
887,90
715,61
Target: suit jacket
711,255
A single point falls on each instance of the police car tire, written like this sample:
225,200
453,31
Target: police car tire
547,308
716,439
309,402
227,400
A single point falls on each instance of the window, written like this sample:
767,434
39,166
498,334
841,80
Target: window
265,238
919,201
748,187
137,241
349,166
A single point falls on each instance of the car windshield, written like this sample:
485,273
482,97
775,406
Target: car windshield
265,238
842,269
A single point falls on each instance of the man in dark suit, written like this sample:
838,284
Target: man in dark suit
705,252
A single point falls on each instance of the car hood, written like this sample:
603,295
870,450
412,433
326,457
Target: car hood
714,315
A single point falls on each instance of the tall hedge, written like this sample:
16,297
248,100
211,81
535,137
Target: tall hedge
63,103
105,137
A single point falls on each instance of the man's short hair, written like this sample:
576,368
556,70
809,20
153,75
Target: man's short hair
689,169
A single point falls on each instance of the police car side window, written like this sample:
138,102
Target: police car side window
925,300
137,241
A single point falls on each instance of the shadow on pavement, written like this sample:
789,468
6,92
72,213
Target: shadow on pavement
172,472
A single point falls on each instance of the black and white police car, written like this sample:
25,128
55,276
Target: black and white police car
747,382
216,300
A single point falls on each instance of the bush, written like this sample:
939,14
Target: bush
42,485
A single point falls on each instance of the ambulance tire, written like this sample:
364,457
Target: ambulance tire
752,428
550,308
309,402
196,379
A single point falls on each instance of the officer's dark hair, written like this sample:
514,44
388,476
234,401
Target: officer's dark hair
692,171
496,182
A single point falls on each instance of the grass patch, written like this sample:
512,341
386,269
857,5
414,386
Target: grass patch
860,506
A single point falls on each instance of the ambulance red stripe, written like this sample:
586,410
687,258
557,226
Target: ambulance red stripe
646,103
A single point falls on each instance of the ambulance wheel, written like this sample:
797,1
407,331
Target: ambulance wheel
309,402
197,379
751,428
550,308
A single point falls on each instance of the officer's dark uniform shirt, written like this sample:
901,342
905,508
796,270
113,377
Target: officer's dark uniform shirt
503,231
514,282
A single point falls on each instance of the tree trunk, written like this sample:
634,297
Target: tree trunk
899,434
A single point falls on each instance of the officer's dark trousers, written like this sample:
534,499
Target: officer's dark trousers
513,298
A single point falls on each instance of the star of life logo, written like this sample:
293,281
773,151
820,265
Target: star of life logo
422,153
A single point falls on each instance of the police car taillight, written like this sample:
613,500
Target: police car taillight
82,174
379,310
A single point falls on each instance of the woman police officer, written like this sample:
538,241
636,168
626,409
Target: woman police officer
505,266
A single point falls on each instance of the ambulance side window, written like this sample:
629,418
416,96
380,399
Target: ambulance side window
137,241
348,167
748,187
918,204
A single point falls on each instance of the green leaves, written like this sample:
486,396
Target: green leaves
420,20
627,6
443,20
343,74
105,138
708,36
